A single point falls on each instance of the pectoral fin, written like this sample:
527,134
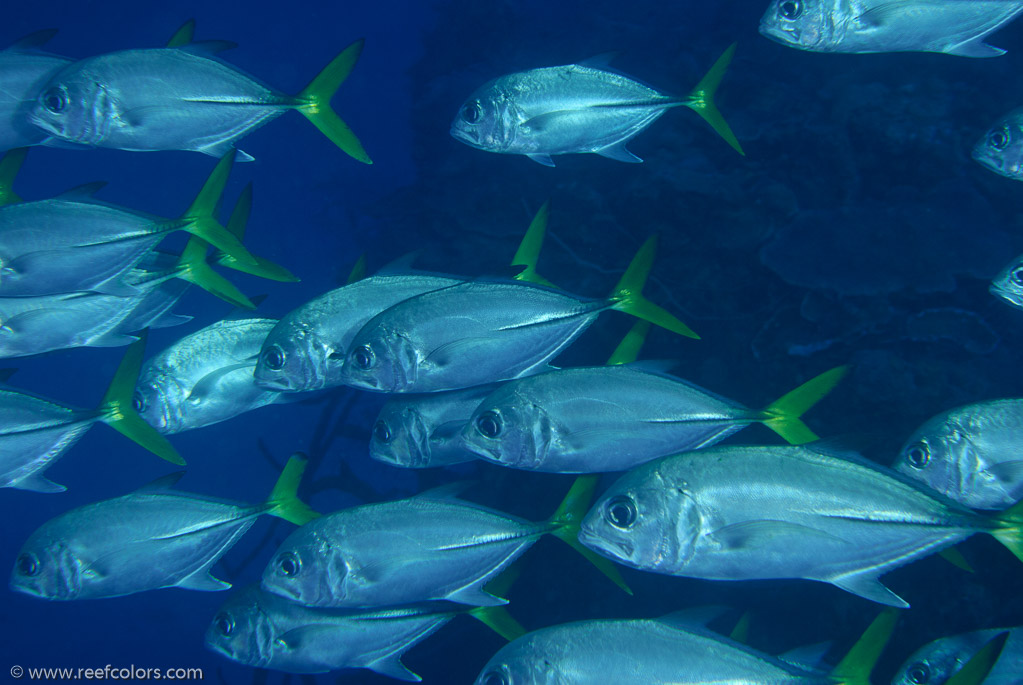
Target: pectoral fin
1006,471
774,533
476,596
392,667
618,151
204,582
37,482
540,158
869,587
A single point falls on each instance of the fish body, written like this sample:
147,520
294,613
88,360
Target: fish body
637,652
1001,151
970,454
23,72
954,27
400,552
596,419
575,108
205,377
34,433
260,629
308,346
465,335
937,661
774,512
424,431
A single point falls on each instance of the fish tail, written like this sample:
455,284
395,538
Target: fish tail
314,102
200,219
783,415
283,501
263,268
701,99
192,267
10,165
117,408
1009,529
855,667
183,36
497,618
358,271
978,668
566,522
628,349
628,294
528,253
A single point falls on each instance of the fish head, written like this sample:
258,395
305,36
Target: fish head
509,429
400,436
309,568
242,630
76,106
796,23
937,661
524,662
160,400
488,120
1001,148
1008,284
932,452
47,568
294,358
644,521
381,359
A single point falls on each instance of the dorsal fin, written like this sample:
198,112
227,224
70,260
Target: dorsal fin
401,265
82,192
208,48
162,483
33,41
358,271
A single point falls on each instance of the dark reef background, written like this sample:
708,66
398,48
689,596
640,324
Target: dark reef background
857,230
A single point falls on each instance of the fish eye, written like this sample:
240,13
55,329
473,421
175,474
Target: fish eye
289,564
918,673
364,357
918,455
224,624
138,402
999,139
28,565
489,424
1017,276
791,9
472,112
274,358
620,512
381,432
55,99
494,678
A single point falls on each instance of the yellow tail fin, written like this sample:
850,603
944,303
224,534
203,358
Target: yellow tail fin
628,294
701,99
314,102
855,668
528,253
283,501
783,415
1010,529
10,164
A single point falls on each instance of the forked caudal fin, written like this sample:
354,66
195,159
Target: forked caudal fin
1009,529
701,99
566,521
314,102
497,618
192,267
783,415
628,294
116,409
200,219
976,670
529,249
263,268
855,667
10,164
628,349
283,501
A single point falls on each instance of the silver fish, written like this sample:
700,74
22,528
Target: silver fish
35,432
937,661
74,243
307,347
612,418
577,108
24,70
1008,284
970,454
181,98
743,513
205,377
263,630
152,538
954,27
482,332
668,651
424,431
413,550
1001,148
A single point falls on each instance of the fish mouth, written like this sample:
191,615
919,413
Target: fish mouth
1006,294
777,34
616,551
286,591
463,136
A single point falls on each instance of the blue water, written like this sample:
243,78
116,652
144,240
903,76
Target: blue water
857,230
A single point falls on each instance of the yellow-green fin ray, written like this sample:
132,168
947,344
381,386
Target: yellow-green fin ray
262,268
628,294
358,271
200,219
628,349
953,556
1010,529
283,501
497,618
192,267
10,164
701,99
314,102
855,667
183,36
566,521
116,408
528,253
783,415
740,633
976,670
